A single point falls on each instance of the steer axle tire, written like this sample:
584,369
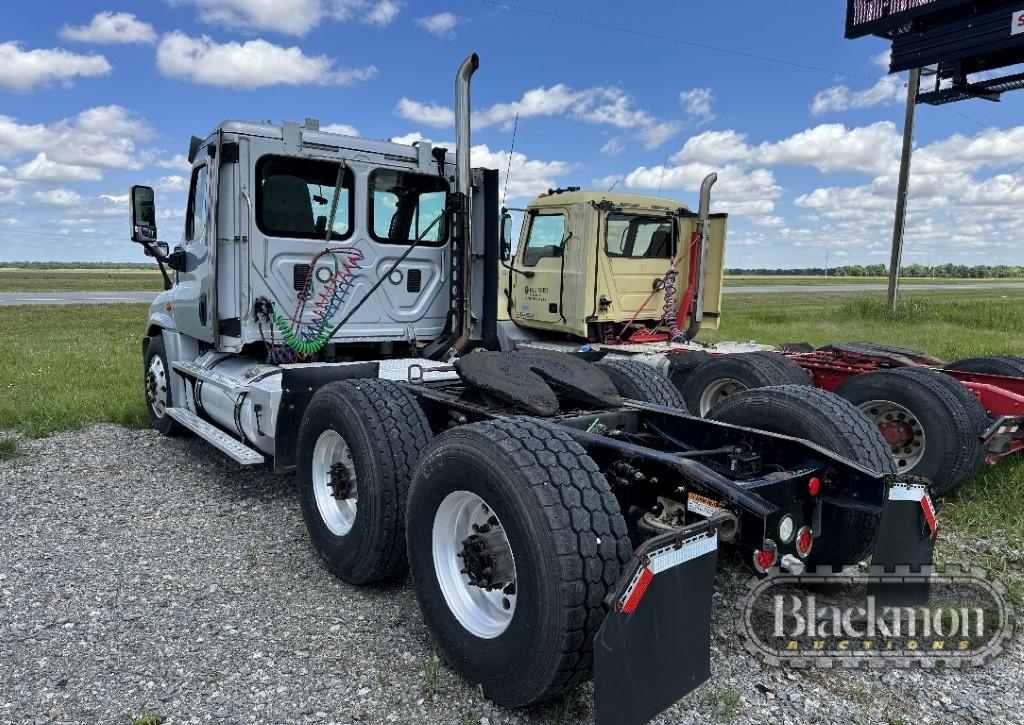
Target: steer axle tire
847,535
932,423
536,514
727,375
358,444
637,381
158,388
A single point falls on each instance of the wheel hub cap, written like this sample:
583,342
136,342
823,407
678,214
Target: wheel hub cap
900,428
156,387
335,486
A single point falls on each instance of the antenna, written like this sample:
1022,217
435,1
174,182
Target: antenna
508,170
614,183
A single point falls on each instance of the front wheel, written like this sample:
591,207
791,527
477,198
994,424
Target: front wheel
514,540
158,388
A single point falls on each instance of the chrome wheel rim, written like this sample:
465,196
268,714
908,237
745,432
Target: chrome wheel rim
334,482
901,429
482,612
718,391
156,387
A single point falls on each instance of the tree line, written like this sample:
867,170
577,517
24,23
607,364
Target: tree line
952,271
78,265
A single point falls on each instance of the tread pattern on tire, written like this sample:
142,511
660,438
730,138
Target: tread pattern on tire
764,369
796,374
580,509
1011,365
641,382
399,432
854,436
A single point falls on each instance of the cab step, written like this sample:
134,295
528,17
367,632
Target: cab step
216,437
198,372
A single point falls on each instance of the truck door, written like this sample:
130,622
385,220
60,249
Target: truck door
637,250
194,306
545,295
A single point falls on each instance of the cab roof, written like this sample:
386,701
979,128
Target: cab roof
623,199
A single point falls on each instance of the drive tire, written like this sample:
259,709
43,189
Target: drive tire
568,541
637,381
726,375
948,415
155,364
847,535
384,430
1009,365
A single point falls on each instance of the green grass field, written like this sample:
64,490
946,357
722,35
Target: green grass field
803,281
68,367
79,280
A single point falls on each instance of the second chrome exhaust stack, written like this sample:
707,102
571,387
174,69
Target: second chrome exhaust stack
704,240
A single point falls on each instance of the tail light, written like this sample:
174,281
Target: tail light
765,559
804,541
813,486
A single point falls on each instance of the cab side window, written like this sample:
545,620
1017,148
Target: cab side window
195,217
547,232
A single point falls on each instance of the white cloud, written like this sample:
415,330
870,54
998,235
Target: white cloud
738,191
111,28
697,103
292,17
171,183
104,136
58,197
253,64
22,71
42,168
841,98
527,178
606,105
368,12
770,222
408,139
442,24
178,162
343,128
382,12
613,147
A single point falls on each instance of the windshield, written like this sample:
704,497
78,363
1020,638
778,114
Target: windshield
639,236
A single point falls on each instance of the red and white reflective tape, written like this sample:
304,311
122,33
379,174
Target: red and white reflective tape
916,492
661,559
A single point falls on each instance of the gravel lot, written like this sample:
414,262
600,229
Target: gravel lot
145,574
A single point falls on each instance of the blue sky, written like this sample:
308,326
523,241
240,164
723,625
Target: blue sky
802,125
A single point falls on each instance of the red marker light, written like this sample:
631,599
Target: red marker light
813,486
764,559
804,541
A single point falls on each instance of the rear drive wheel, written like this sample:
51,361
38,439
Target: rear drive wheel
358,443
727,375
1009,365
930,422
637,381
158,388
847,535
514,540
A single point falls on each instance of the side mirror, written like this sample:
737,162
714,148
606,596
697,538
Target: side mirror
506,236
143,214
162,249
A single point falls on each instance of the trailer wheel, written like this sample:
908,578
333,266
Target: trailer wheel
637,381
1009,365
930,422
821,417
158,388
358,443
727,375
519,507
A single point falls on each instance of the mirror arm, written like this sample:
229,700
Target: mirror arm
160,259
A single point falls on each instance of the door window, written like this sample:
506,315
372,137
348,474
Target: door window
635,236
293,198
403,207
547,232
195,218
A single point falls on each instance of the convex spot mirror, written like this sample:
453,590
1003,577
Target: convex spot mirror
506,236
143,214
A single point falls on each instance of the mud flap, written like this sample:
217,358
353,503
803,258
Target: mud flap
904,546
655,644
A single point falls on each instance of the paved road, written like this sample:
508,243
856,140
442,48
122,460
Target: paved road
75,298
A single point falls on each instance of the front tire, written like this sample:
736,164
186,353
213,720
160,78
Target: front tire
552,525
358,444
158,388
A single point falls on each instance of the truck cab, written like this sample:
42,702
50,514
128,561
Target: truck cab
587,263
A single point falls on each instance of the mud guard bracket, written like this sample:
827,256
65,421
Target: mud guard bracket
655,644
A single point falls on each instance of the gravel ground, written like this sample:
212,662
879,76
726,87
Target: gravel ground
140,574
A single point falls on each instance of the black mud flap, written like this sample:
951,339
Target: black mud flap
655,644
904,546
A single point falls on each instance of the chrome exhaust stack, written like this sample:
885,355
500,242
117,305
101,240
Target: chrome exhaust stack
703,242
463,185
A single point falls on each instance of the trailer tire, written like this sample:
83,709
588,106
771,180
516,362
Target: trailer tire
568,543
157,382
835,424
945,421
376,430
1009,365
727,375
637,381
